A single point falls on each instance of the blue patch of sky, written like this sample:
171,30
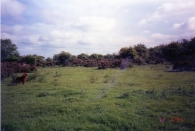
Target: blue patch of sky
25,19
31,13
7,20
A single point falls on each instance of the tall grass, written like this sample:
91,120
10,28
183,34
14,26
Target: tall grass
78,98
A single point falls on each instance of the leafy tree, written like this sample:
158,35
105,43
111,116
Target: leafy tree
55,57
39,58
116,55
126,52
94,56
109,56
8,51
188,46
141,50
83,56
123,52
49,59
73,57
63,57
28,59
158,51
172,51
100,56
192,45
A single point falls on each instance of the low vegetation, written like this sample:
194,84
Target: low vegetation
10,68
141,98
181,54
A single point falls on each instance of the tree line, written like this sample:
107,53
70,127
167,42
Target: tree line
181,54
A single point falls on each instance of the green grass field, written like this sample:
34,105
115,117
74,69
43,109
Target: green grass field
87,99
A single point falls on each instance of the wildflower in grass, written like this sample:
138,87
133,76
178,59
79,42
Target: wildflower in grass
179,119
172,119
162,119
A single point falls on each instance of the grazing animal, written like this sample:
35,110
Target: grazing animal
21,79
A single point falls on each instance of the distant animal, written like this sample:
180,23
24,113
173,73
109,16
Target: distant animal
21,79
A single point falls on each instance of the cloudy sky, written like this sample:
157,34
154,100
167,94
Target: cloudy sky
47,27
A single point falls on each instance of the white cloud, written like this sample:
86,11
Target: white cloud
168,10
142,22
177,26
145,31
165,39
57,16
11,7
96,26
191,23
160,36
16,29
95,23
188,25
27,49
176,7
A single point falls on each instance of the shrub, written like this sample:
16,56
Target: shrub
8,68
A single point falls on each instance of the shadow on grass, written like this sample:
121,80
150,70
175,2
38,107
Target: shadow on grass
8,127
57,75
42,94
124,95
12,84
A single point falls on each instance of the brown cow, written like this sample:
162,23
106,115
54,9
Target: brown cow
21,79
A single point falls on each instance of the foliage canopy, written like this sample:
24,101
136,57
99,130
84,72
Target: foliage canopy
8,51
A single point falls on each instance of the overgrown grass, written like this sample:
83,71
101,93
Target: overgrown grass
78,98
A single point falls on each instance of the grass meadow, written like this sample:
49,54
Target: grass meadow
141,98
